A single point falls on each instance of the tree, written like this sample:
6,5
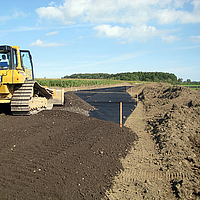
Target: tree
188,81
180,80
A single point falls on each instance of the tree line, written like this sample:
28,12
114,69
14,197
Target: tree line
129,76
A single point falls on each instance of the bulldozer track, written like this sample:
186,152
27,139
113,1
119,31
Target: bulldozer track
21,97
20,103
129,176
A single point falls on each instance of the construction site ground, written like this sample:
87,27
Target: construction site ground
65,154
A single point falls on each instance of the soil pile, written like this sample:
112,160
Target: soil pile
58,154
175,128
75,104
165,161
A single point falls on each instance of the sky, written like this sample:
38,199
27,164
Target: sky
105,36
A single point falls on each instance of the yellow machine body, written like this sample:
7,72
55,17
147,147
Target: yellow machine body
17,85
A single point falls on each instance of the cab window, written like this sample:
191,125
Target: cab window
15,59
27,63
4,61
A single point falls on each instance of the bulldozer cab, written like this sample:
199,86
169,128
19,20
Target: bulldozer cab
13,59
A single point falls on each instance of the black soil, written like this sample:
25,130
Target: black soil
59,154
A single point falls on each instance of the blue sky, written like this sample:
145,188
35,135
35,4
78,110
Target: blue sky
105,36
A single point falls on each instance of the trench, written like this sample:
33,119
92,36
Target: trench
107,102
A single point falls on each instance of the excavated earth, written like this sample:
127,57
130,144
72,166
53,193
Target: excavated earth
58,154
165,162
64,154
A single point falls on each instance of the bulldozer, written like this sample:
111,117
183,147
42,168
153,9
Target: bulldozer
18,87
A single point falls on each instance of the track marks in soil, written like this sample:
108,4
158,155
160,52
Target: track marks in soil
164,163
141,177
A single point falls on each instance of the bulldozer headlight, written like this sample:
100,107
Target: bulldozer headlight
0,79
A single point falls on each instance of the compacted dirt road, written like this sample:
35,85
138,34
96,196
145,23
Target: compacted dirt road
64,154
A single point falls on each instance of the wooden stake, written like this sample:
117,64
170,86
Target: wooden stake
120,114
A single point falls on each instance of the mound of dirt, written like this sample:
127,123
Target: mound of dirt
175,128
75,104
165,161
58,154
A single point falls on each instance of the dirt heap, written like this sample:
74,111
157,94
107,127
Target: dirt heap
58,154
75,104
175,128
165,162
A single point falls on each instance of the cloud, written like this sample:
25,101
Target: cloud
125,57
81,37
20,29
25,28
4,18
133,33
131,20
45,13
13,16
110,60
53,13
52,3
195,38
122,11
170,38
39,43
52,33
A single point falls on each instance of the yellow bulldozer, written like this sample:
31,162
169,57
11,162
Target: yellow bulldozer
18,87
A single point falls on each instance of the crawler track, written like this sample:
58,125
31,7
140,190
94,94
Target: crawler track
25,94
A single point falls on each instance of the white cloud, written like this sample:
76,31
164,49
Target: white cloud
170,38
133,33
13,16
195,38
122,11
4,18
133,18
52,3
52,33
125,57
81,37
50,13
25,28
39,43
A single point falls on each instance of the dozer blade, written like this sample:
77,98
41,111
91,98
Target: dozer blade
58,96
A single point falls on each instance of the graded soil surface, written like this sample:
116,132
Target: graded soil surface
64,154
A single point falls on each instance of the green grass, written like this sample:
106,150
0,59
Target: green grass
138,82
194,87
191,85
75,82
